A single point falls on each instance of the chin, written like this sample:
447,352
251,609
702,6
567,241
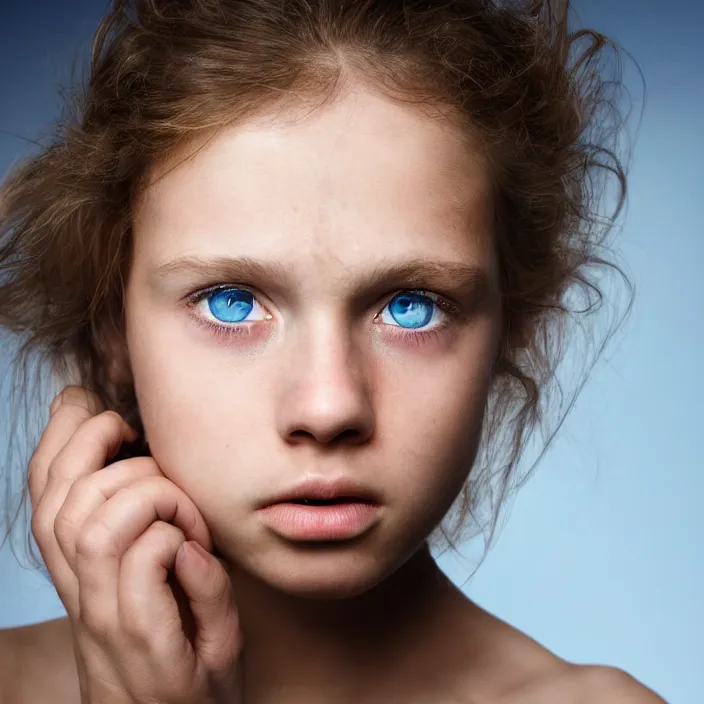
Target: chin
327,571
321,588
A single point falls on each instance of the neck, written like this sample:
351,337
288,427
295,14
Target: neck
314,650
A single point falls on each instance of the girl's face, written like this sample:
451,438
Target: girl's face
314,359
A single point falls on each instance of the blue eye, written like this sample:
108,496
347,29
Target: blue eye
414,310
226,309
230,305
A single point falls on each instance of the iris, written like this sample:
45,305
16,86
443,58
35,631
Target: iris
232,305
417,309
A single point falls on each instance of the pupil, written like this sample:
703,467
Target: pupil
415,307
231,306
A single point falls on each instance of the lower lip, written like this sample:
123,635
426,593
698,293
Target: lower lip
331,522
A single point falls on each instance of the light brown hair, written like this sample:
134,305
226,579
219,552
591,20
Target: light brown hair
513,74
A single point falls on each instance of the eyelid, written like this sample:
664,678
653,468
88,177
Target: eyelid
445,303
201,293
193,299
453,312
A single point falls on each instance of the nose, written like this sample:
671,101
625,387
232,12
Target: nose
326,395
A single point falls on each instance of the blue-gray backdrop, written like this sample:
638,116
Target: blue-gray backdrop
602,559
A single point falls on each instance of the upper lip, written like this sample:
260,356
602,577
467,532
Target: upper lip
325,489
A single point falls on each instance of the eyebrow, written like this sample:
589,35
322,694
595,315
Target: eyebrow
413,273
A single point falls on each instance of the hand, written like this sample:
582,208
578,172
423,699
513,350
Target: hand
151,609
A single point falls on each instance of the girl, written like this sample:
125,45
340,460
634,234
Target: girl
305,267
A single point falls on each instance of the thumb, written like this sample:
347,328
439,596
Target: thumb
207,586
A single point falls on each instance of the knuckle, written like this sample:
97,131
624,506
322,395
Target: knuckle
79,486
77,396
159,485
106,428
148,465
160,538
34,465
42,524
186,514
136,468
34,469
96,540
105,423
167,531
134,627
96,621
113,418
58,400
154,485
65,525
37,527
61,469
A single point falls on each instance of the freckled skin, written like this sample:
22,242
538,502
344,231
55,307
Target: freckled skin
325,381
323,387
327,386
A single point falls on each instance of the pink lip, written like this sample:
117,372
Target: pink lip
333,522
321,489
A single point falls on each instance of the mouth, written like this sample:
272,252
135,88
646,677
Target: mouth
326,492
320,520
328,502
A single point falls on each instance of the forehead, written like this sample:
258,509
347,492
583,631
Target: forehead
362,166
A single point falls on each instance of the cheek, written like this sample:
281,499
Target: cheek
197,409
432,426
170,390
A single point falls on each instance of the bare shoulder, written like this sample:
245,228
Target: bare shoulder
37,664
612,685
516,669
584,684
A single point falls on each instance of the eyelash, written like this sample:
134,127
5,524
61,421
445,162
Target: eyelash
452,311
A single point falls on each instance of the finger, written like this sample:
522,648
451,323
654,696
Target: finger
147,608
211,600
90,492
84,453
78,396
119,522
70,409
90,447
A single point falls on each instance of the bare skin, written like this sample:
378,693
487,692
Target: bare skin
37,665
322,382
